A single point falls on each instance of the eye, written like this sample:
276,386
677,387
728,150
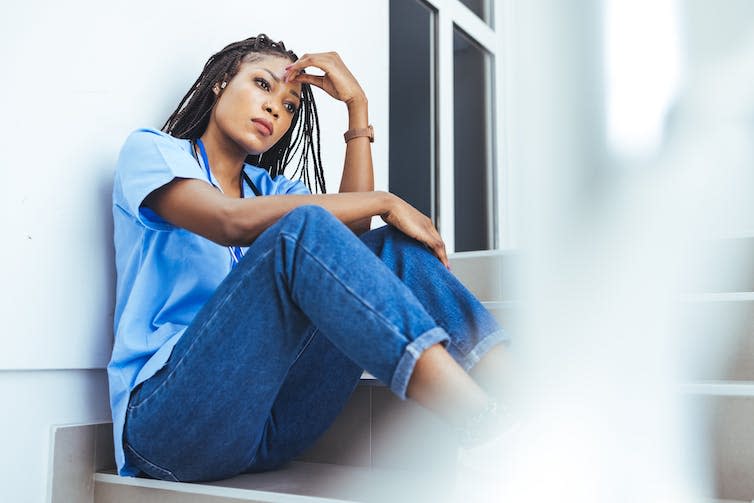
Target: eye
262,83
290,107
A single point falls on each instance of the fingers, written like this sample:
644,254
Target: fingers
337,81
438,248
442,254
305,78
435,243
421,228
325,61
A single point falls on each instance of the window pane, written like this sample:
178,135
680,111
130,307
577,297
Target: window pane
473,208
411,103
482,8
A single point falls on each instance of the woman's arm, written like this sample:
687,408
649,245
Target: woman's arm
358,173
339,82
200,208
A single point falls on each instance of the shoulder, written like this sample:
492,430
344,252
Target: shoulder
149,147
150,136
148,160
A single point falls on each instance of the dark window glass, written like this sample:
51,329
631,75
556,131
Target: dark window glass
482,8
411,103
472,172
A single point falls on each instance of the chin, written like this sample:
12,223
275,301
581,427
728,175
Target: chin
254,147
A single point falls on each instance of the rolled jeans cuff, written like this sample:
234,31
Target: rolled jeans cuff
472,357
406,365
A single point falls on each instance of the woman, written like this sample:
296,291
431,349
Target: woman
247,306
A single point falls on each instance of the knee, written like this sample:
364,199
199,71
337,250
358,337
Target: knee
382,234
308,213
391,236
310,220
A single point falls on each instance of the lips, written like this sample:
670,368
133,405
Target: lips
264,126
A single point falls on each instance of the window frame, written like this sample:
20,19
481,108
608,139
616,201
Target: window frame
452,14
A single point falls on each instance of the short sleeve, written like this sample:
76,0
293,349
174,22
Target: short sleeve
148,160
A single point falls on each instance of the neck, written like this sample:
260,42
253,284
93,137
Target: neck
225,158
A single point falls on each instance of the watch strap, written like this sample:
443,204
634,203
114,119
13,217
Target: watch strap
355,133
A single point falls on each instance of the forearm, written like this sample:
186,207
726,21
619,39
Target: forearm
252,216
358,171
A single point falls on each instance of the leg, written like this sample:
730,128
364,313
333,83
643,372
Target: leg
323,375
493,372
204,415
477,341
316,388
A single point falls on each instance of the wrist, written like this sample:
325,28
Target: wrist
386,201
358,101
358,113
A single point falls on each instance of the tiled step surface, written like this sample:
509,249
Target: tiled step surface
490,275
718,344
726,265
718,336
297,482
728,438
718,312
718,316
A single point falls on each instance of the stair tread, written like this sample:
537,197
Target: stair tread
300,481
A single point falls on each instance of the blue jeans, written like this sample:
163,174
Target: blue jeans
271,360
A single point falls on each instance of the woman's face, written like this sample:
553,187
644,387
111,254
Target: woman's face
256,107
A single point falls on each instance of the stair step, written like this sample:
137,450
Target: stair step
490,275
719,297
720,388
296,482
718,336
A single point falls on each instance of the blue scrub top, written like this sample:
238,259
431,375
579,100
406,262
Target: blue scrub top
165,274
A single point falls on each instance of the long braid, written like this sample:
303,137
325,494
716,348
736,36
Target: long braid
191,117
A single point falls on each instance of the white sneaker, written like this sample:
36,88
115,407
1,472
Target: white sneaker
481,471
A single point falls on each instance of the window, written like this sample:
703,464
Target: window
482,8
412,104
473,178
443,114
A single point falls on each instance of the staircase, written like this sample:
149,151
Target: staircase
376,452
719,335
380,449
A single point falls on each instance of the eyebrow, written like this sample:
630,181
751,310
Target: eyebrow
277,79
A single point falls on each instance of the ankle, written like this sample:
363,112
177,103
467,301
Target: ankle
482,426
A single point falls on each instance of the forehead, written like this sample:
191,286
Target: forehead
267,64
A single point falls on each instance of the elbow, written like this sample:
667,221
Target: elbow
233,227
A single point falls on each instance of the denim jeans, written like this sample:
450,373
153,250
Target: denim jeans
271,360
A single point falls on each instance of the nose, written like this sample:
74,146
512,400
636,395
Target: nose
268,108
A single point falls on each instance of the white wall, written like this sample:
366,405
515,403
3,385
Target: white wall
78,77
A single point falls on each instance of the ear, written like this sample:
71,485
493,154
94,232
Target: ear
218,87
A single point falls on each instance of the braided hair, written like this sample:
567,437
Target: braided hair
190,119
